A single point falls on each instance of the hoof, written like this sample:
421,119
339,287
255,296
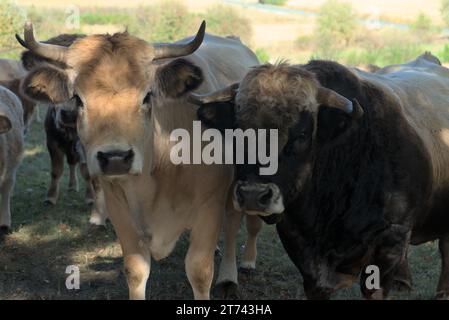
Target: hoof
50,202
227,290
442,295
96,228
402,286
4,231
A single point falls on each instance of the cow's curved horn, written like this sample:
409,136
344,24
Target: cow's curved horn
221,95
50,51
172,50
334,100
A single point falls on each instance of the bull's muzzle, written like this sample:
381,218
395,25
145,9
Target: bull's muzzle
115,162
260,198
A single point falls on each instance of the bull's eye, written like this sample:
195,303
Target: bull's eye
78,101
147,99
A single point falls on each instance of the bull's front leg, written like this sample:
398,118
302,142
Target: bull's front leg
389,257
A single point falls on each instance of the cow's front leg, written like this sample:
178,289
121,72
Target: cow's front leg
137,271
253,227
199,260
5,209
443,283
72,160
137,259
90,190
99,213
227,281
57,167
73,180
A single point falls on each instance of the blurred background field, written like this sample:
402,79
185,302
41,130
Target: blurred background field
352,32
47,239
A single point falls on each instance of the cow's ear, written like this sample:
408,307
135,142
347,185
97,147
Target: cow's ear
47,84
179,77
5,124
218,115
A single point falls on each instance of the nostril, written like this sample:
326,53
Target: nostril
129,156
265,197
102,158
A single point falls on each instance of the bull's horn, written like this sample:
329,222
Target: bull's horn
357,111
222,95
332,99
172,50
50,51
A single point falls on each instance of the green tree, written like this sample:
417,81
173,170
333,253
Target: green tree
12,18
166,21
445,11
226,21
335,28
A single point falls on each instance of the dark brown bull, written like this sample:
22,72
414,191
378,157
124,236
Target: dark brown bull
359,182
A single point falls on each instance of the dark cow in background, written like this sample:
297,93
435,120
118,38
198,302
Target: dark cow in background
363,165
63,142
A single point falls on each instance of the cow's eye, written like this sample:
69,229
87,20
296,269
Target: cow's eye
78,101
238,107
147,99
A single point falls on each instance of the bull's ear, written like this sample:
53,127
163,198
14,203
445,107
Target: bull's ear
48,84
218,115
5,124
179,77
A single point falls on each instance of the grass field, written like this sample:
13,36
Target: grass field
45,240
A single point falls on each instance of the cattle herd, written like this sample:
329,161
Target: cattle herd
363,157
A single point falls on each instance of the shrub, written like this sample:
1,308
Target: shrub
336,26
262,55
422,23
12,19
105,17
166,21
445,11
273,2
225,21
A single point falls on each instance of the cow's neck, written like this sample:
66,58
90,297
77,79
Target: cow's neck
173,115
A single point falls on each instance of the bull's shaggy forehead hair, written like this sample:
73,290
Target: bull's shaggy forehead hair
274,95
110,61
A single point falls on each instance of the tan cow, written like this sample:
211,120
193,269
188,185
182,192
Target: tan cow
130,96
11,149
